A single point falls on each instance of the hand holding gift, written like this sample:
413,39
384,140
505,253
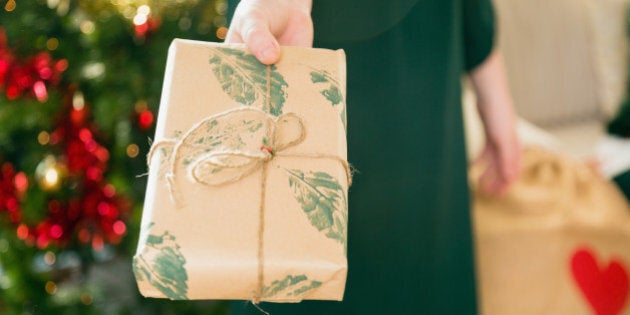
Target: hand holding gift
265,25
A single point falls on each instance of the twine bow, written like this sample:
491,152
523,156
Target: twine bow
219,167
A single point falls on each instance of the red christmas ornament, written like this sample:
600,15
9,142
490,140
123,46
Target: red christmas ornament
94,214
9,192
145,119
6,58
32,76
147,26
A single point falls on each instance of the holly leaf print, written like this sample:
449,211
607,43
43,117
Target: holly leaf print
244,79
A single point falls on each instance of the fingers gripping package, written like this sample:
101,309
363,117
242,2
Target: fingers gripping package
248,179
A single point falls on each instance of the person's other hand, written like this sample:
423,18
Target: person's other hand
264,25
501,157
501,162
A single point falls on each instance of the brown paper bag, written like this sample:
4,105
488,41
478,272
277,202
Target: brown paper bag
556,243
247,192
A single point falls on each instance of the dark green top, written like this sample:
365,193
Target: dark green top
409,243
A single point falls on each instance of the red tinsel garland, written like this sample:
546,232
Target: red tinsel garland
33,75
93,213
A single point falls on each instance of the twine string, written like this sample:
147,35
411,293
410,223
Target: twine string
261,213
204,166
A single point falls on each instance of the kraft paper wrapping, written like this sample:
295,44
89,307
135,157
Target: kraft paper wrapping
247,189
556,243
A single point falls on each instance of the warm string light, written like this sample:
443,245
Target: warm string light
87,27
10,6
143,21
221,7
50,258
142,15
93,70
222,32
86,299
78,102
43,138
133,150
48,173
62,6
146,15
52,44
131,8
50,287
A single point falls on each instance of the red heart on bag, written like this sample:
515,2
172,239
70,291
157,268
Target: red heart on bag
605,287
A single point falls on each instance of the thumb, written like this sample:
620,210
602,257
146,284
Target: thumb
259,40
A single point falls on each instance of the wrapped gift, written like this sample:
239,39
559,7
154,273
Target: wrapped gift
248,180
555,243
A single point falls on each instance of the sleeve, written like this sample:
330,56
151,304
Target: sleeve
231,8
479,29
350,20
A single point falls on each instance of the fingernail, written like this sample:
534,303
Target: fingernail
266,53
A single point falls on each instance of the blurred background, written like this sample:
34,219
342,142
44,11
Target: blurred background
80,82
567,67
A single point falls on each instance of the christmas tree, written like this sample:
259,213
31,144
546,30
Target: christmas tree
80,83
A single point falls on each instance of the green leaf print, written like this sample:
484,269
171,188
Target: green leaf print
332,92
290,286
244,79
323,201
224,132
162,265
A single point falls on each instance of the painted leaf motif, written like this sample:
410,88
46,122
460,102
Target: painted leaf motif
333,94
331,91
162,265
290,286
323,201
318,76
244,79
232,134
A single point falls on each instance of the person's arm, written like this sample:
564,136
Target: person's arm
502,152
264,25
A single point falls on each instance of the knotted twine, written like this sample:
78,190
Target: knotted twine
205,167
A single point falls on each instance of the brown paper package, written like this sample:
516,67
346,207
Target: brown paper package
247,188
